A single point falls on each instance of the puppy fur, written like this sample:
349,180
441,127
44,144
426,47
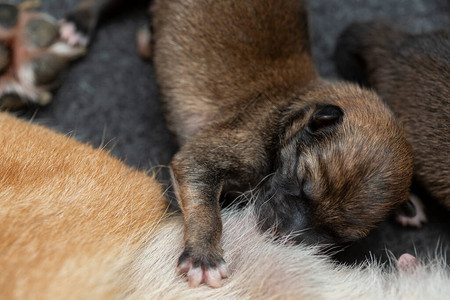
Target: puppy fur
412,74
77,223
244,100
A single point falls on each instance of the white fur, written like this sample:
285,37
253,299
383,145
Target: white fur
261,268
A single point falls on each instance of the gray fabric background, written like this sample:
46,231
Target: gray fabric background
109,98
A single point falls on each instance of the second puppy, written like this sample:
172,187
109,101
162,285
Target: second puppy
412,74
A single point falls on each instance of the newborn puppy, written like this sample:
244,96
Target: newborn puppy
243,98
412,74
31,56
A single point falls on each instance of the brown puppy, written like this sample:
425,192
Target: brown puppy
412,74
244,99
32,56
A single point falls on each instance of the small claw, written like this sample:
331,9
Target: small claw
195,276
184,266
223,270
199,269
212,277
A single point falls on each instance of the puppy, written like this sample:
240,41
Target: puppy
77,223
32,56
243,97
412,74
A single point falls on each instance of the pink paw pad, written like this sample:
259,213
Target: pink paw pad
211,276
407,263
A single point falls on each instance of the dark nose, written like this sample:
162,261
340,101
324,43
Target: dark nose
284,214
295,217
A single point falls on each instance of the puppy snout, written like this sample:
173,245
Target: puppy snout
283,211
284,214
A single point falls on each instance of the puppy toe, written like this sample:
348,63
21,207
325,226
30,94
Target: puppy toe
195,276
212,277
71,35
201,268
223,270
407,263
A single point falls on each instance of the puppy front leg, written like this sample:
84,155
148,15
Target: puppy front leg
226,152
198,191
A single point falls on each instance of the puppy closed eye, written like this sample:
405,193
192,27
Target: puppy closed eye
324,118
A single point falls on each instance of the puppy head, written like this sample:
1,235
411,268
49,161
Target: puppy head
343,165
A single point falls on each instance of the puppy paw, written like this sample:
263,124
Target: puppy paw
415,221
204,267
32,56
78,26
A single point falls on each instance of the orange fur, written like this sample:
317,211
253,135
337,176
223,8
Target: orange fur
66,211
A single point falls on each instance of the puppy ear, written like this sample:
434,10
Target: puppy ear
325,117
407,209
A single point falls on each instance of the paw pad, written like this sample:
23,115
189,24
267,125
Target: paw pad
203,268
